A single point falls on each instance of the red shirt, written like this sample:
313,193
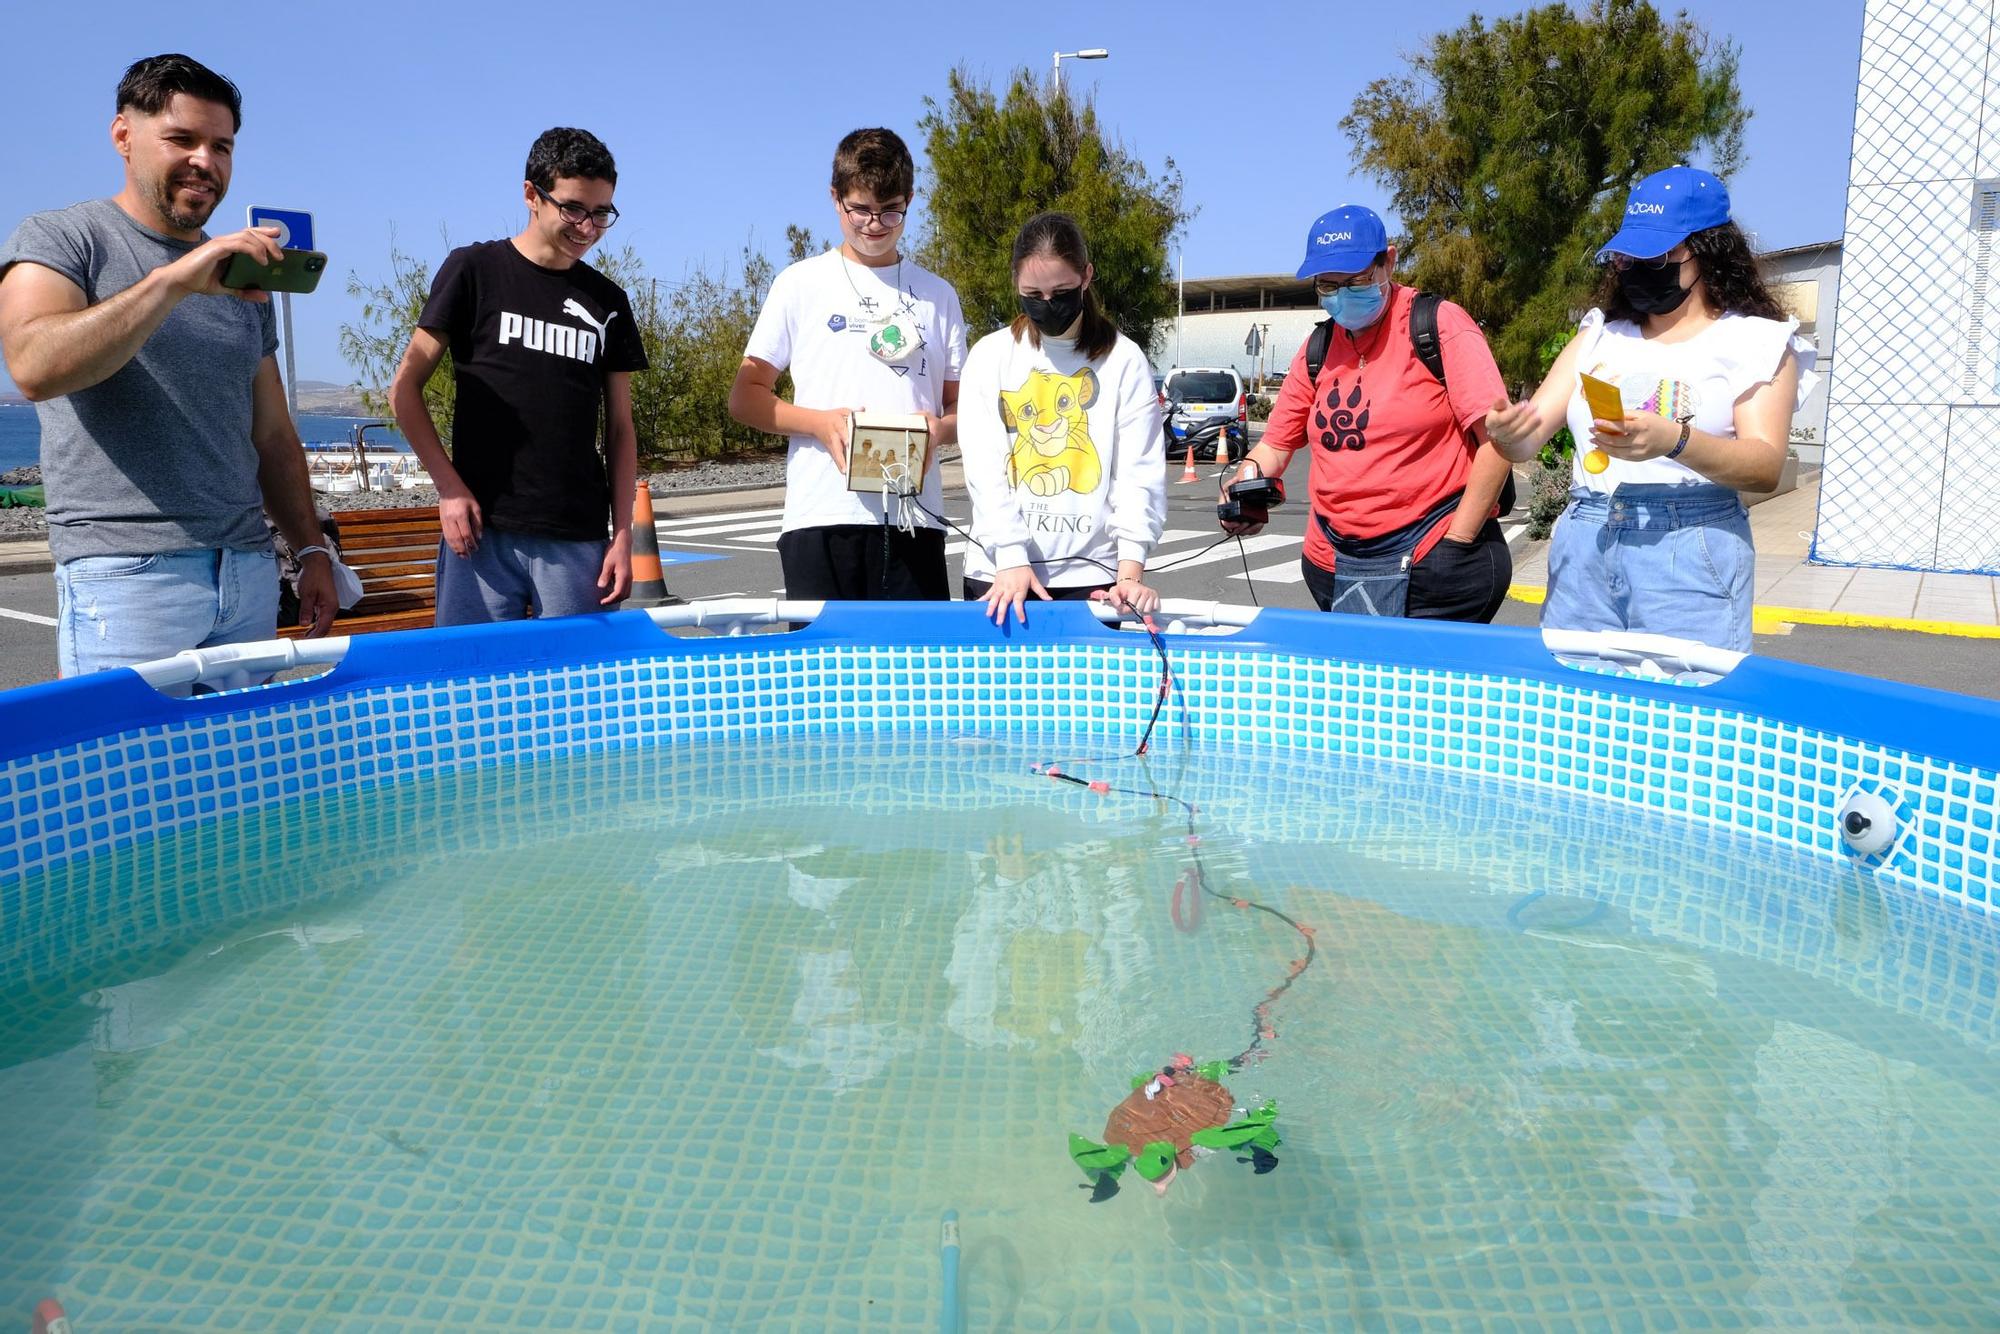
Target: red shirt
1388,441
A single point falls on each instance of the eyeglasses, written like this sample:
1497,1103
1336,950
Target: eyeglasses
888,217
1328,286
576,214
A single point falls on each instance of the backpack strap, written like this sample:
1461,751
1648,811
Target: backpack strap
1424,333
1423,338
1316,345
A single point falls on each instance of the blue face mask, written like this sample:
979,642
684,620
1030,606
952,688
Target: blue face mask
1355,308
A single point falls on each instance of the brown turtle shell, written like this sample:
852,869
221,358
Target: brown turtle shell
1174,1113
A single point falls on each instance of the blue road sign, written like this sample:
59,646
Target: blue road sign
295,225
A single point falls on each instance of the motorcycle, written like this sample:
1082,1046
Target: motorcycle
1204,437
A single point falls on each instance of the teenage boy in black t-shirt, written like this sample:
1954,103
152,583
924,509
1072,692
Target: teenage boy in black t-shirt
539,341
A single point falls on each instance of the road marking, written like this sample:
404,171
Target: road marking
27,616
1288,573
771,524
713,546
1227,551
699,522
1779,620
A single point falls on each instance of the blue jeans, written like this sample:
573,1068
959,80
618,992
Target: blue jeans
510,574
116,611
1663,559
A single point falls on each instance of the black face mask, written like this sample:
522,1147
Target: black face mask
1654,290
1054,315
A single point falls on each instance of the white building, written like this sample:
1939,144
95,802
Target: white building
1221,312
1806,279
1913,419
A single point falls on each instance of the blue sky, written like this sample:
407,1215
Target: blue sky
417,117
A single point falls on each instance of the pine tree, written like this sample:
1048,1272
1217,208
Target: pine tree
994,164
1509,149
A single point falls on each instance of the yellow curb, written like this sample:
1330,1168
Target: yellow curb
1780,620
1766,620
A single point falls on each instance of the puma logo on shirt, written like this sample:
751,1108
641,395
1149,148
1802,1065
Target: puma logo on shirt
558,340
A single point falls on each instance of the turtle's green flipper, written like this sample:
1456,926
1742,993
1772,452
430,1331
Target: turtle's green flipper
1257,1130
1226,1137
1098,1160
1156,1160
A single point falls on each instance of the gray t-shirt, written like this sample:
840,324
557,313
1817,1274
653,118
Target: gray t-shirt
157,457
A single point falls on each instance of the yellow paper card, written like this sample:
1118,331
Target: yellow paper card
1606,403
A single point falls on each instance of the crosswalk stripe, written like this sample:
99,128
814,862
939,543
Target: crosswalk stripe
723,516
737,523
1261,542
1288,573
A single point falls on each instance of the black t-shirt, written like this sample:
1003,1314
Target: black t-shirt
531,348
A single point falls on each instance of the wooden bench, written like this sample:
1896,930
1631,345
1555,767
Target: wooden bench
395,553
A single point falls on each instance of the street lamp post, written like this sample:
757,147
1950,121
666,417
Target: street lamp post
1180,303
1088,53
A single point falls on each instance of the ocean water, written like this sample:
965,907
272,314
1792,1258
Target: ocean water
715,1035
21,434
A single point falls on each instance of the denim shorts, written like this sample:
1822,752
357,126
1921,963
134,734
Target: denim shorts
1663,559
510,576
117,611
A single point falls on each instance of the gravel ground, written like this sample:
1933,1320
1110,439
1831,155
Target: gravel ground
712,475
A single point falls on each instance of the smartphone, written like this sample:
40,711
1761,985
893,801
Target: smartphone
1606,403
295,271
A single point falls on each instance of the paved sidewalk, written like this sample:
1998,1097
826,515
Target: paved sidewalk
1792,592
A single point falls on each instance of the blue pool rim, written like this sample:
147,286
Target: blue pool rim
1386,681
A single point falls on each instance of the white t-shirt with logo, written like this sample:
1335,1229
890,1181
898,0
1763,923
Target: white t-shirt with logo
1702,377
817,322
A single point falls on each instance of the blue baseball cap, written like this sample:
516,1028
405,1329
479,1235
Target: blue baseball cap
1344,241
1665,209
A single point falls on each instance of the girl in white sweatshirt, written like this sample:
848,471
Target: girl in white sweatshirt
1059,425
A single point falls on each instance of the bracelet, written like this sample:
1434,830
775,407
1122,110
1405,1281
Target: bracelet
303,552
1687,429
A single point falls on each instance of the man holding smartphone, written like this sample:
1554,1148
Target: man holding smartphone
165,434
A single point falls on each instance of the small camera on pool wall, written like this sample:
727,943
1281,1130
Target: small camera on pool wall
1251,500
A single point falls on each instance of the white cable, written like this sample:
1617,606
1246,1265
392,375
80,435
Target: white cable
897,493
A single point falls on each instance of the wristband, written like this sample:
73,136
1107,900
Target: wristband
303,552
1687,429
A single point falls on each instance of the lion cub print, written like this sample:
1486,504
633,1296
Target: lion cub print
1052,450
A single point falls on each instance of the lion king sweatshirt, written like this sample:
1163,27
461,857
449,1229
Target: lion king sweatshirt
1063,458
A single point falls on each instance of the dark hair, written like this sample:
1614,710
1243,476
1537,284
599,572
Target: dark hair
1057,234
151,83
877,161
566,154
1729,279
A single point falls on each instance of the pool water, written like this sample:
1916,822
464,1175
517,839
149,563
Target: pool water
713,1036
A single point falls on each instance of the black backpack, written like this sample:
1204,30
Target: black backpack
1423,341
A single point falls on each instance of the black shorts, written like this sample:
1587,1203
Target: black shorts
1455,581
863,562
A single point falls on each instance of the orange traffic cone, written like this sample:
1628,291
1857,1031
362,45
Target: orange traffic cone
649,582
1187,471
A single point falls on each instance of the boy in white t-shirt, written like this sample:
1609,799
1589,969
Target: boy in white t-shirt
821,321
